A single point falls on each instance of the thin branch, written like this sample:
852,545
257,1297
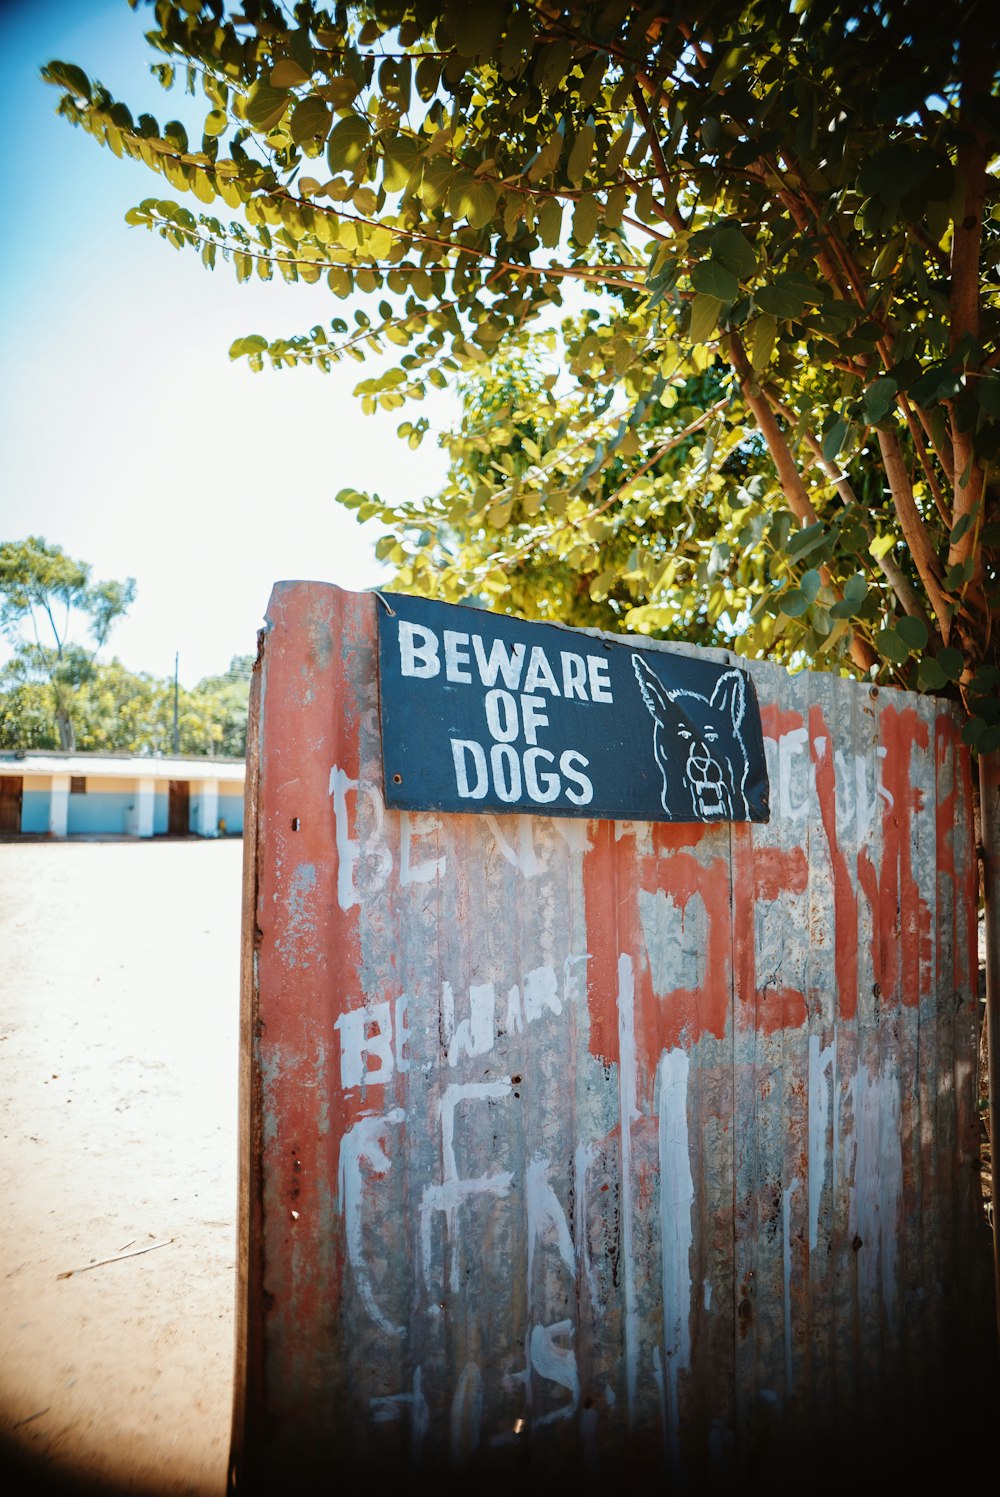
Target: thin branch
789,476
504,558
854,280
903,588
912,525
674,218
975,56
703,57
582,273
925,462
668,446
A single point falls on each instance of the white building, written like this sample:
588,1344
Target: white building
55,794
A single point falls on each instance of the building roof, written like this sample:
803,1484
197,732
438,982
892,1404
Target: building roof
123,766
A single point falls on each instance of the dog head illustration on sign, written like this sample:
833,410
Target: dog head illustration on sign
698,746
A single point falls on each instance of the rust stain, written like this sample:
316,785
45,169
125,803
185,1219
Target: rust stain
901,934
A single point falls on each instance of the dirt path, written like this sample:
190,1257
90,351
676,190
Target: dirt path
119,969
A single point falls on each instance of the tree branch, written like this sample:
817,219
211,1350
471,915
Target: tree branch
913,527
674,219
906,593
789,476
966,248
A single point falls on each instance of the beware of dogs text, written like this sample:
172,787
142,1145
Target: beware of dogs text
482,712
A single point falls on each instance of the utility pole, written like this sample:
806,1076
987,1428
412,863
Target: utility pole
177,736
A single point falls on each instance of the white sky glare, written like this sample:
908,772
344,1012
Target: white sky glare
126,434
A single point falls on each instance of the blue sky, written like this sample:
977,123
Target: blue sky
126,435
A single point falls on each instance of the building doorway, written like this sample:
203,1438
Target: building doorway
179,809
11,795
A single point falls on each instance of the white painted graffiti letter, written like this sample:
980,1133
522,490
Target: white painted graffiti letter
364,1143
453,1190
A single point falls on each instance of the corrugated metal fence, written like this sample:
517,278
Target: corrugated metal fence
600,1148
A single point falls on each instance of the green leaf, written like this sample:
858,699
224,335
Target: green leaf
427,78
266,106
930,676
553,64
586,216
833,440
341,92
579,156
216,122
711,278
879,399
349,497
912,631
804,541
855,593
310,118
795,602
765,330
704,317
892,173
616,204
961,526
287,73
401,155
779,303
891,646
478,202
787,296
477,26
939,382
957,576
550,222
733,249
810,584
349,139
70,77
952,662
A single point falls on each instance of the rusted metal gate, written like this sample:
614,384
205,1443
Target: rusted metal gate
600,1148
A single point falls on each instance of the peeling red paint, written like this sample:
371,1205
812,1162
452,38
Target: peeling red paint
671,837
301,990
952,810
607,930
775,721
687,1014
901,935
779,870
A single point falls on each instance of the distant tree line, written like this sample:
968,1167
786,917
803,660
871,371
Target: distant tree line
118,709
55,694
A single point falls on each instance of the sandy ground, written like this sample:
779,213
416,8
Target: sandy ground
119,993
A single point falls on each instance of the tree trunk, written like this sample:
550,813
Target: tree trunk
67,732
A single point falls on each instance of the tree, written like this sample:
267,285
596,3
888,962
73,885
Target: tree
43,589
659,567
798,199
225,700
118,710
